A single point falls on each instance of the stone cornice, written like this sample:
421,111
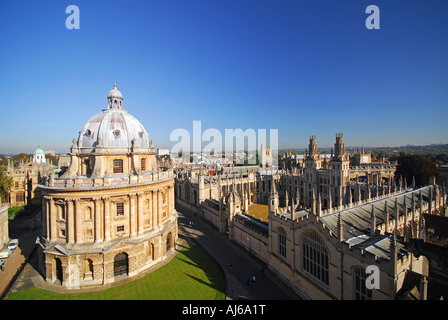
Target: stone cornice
105,188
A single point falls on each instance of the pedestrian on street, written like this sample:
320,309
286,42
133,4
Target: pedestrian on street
253,279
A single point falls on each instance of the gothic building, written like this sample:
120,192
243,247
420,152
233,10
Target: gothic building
111,213
325,230
26,177
326,254
332,180
324,182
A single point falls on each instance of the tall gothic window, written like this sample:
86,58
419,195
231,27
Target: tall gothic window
315,257
118,166
360,291
282,242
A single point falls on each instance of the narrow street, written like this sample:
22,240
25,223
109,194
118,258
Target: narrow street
267,286
16,260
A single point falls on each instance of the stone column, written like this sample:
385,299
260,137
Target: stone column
132,218
47,216
168,202
154,208
159,206
78,221
97,220
52,219
140,213
423,288
106,218
70,221
171,200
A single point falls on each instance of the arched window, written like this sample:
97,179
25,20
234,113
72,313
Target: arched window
143,164
121,264
61,212
88,269
315,257
282,242
152,251
168,242
58,270
360,291
88,213
118,166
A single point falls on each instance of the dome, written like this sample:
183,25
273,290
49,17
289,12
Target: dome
115,128
39,151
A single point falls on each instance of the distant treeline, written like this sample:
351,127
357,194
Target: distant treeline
16,159
436,153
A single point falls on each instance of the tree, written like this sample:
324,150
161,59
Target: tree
5,184
414,166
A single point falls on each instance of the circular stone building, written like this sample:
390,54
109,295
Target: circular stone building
111,215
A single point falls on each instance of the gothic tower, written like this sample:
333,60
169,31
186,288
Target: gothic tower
339,171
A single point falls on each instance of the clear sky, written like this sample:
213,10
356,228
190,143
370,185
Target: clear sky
302,67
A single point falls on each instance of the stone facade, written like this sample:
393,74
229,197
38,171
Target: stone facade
321,249
25,180
345,242
111,213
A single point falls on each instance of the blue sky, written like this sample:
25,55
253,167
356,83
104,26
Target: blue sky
302,67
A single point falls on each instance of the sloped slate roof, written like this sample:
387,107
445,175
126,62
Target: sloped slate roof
380,246
357,220
255,224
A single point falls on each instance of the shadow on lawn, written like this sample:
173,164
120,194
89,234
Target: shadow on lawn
200,259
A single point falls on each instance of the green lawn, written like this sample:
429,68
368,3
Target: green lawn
191,275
